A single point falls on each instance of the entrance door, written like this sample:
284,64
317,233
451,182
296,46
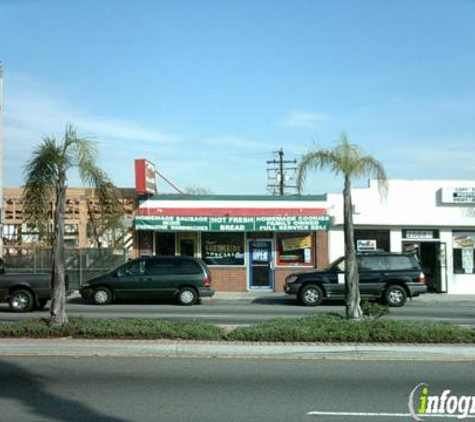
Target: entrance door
431,256
187,244
261,265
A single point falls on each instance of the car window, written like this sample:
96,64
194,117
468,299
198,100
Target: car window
132,268
187,266
338,265
137,267
161,266
402,262
341,266
372,263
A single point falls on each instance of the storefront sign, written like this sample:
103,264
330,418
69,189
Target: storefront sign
233,224
458,195
366,245
145,177
292,244
464,240
420,234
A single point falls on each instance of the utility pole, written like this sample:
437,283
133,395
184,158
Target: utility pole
280,176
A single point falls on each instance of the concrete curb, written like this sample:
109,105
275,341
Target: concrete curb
266,295
142,348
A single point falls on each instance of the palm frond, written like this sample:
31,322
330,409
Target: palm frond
112,210
315,160
373,168
347,159
41,174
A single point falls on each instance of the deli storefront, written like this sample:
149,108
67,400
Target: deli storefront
250,243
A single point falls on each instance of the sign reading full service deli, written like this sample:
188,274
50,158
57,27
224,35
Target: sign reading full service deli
233,224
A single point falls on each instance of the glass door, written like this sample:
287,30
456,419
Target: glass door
261,265
187,244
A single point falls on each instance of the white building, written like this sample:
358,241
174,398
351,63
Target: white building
433,218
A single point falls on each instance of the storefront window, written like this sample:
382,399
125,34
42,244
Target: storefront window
463,252
222,248
164,243
295,249
372,240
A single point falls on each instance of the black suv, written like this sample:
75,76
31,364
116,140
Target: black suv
391,277
184,278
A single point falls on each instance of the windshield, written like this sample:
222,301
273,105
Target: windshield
337,265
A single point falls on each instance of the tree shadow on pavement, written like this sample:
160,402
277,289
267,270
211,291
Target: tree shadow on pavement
30,390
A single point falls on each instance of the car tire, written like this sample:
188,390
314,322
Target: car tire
102,296
41,304
311,295
21,300
395,296
187,296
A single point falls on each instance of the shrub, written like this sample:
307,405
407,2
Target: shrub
374,310
317,328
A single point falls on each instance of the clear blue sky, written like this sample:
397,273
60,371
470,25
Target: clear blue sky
208,89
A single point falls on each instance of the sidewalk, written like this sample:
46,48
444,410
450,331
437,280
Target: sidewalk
165,348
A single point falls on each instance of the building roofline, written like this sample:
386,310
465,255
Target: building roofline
189,197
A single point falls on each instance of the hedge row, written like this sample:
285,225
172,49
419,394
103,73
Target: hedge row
321,328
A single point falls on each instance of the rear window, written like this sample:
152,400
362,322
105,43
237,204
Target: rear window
402,262
188,267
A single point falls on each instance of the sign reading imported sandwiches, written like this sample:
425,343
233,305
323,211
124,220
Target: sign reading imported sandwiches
233,224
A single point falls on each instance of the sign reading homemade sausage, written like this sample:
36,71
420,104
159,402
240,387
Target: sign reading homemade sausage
232,224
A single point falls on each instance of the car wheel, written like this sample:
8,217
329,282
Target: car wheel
187,296
311,295
21,300
395,296
41,304
102,296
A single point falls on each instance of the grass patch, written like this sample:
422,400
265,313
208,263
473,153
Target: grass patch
335,328
147,329
321,328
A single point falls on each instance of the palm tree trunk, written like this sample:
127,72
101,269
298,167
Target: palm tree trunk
58,295
353,308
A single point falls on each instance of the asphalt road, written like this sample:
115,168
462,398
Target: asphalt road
112,389
241,312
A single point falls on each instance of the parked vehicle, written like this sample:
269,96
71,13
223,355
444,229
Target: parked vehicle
390,277
184,278
24,292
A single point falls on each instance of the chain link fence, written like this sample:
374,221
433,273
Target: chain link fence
81,264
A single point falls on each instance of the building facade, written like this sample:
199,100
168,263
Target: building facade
434,219
82,222
249,243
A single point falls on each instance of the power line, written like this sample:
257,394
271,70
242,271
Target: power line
281,177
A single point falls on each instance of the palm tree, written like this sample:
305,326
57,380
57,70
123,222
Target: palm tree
350,161
45,184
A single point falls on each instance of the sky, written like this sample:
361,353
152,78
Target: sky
209,90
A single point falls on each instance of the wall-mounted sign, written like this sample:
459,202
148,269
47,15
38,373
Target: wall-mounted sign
232,224
145,177
366,245
420,234
464,240
458,195
296,243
